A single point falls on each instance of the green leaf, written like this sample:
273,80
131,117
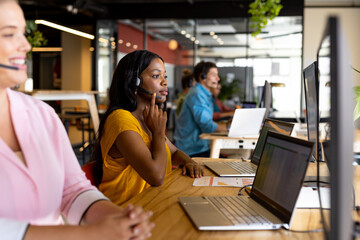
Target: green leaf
357,110
261,11
355,69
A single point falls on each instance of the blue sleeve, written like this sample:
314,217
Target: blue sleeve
203,113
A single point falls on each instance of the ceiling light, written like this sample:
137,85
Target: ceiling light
215,37
183,32
197,41
192,39
46,49
104,40
173,44
187,35
128,44
65,29
135,46
211,33
120,41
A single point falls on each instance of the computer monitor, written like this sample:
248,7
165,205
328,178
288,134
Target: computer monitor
333,53
311,86
266,98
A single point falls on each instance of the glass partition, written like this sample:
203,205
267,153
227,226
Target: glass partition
274,55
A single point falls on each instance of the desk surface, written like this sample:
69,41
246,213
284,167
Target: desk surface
212,136
172,222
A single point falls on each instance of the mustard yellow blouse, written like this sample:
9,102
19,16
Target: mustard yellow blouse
120,181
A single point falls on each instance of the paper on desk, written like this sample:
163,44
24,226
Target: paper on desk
309,198
222,182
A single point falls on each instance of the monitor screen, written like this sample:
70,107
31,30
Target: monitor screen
333,56
269,125
311,86
281,172
266,98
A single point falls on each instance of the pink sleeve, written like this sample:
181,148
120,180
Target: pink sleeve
76,185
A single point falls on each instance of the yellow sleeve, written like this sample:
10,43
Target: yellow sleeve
117,122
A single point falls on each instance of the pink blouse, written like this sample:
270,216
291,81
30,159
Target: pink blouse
52,183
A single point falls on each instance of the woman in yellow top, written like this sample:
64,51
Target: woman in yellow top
132,147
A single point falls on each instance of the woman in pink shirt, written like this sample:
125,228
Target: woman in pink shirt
41,182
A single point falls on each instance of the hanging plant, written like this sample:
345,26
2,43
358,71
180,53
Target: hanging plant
34,36
357,98
261,12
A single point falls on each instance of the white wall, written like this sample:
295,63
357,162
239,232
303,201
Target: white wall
314,26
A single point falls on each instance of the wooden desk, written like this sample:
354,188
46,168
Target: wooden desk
224,142
172,222
54,95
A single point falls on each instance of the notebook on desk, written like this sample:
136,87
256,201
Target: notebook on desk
245,123
272,199
248,168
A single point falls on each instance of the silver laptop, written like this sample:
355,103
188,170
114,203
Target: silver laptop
245,123
272,199
246,168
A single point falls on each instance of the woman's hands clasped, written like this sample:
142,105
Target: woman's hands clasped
131,223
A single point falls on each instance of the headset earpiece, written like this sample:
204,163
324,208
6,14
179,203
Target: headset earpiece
138,81
203,76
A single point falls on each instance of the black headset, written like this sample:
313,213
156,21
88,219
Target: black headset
139,80
203,76
138,83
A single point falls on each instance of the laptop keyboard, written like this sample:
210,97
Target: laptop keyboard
242,167
237,210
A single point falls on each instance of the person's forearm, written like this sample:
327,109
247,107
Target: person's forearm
180,158
221,127
158,152
98,210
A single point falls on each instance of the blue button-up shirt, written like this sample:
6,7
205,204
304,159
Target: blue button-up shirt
196,117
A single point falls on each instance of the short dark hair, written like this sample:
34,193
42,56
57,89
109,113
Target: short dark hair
202,68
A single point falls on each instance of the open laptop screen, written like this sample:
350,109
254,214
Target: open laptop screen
269,125
281,173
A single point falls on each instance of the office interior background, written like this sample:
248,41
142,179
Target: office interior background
185,32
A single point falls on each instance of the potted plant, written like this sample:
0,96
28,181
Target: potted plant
261,12
357,99
34,36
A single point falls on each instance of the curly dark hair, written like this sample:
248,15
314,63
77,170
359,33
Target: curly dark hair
122,95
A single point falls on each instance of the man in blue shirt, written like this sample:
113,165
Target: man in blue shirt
196,116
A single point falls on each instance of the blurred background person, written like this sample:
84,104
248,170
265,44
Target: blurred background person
221,111
187,81
196,116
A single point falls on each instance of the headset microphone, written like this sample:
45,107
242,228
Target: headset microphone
9,67
147,92
139,83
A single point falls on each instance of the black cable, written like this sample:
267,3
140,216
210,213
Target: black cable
239,193
306,231
323,182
